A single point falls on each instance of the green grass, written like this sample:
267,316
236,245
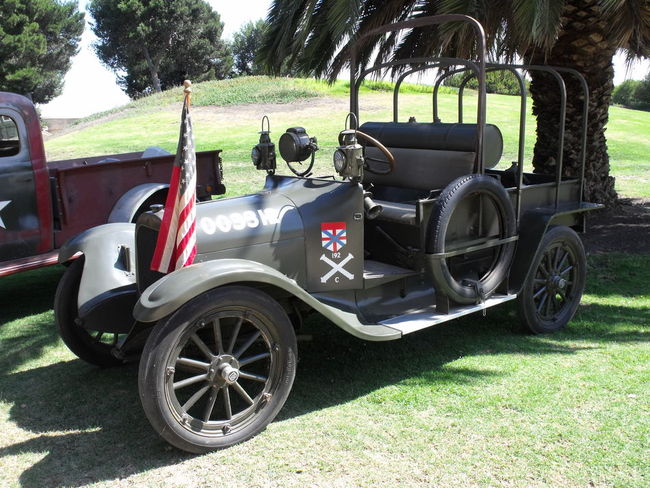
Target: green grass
628,140
228,115
469,403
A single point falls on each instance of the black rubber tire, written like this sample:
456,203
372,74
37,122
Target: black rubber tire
171,338
78,339
448,201
557,242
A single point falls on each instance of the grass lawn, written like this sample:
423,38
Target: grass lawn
473,402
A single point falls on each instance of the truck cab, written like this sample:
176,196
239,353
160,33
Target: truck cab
25,200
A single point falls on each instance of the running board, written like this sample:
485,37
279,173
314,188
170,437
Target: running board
413,322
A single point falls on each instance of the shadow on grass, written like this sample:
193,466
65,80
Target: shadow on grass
90,424
26,321
107,432
88,421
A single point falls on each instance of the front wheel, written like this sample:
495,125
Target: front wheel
218,370
555,282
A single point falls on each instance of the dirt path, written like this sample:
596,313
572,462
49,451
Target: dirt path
622,228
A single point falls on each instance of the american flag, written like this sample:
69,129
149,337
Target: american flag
333,235
176,245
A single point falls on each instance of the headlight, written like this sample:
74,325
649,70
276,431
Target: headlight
340,161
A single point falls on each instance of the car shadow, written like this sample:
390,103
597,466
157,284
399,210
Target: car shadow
28,293
91,426
26,319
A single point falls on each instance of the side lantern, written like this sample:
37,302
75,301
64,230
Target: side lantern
263,154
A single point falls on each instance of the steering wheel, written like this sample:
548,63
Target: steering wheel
390,159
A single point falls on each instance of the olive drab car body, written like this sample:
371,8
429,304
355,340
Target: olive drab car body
418,226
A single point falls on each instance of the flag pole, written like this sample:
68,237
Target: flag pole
176,241
188,92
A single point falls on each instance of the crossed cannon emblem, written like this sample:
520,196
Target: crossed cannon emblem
336,268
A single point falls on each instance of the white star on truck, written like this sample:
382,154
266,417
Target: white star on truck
3,205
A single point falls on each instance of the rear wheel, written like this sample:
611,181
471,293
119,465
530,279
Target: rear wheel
554,285
93,346
218,370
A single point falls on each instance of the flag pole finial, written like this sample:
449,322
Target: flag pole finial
188,91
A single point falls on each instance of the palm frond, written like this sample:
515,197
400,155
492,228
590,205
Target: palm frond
283,20
629,25
376,13
316,35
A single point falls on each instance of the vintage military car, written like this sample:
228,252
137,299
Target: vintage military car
417,227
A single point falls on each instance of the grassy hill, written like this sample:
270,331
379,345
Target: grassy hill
227,116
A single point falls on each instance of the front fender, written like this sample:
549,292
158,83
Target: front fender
175,289
129,203
109,259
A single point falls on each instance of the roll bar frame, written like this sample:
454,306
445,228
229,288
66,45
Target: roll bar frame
479,66
478,69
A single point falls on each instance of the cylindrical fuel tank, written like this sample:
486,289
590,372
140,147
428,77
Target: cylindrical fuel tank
438,136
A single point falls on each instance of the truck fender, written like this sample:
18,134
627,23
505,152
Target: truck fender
128,205
175,289
109,263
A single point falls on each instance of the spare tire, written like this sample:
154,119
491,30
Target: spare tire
471,210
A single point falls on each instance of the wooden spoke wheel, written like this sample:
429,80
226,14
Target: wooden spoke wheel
93,346
555,282
218,370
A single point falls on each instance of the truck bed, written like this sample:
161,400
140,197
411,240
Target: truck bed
98,182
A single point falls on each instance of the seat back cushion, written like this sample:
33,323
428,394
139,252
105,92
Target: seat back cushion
421,169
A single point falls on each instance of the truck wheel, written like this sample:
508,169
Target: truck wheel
456,218
218,370
93,346
555,282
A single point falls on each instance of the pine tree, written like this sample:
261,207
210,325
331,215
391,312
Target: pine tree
155,44
37,41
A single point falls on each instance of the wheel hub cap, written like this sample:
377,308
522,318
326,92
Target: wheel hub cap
224,370
229,374
556,284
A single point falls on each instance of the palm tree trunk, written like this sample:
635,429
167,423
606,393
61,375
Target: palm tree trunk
584,46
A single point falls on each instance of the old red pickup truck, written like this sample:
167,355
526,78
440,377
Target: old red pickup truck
42,204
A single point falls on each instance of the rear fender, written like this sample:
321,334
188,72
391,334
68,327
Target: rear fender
175,289
109,263
532,227
127,206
